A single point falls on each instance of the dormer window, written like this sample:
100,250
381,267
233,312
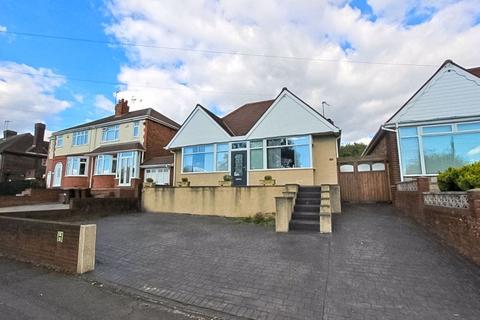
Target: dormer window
110,133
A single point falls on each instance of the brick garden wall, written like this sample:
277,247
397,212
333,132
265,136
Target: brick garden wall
36,242
457,227
37,196
104,205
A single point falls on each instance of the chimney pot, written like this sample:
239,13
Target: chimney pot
121,108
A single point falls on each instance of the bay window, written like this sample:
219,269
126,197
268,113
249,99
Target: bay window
110,133
80,138
435,148
106,164
76,166
291,152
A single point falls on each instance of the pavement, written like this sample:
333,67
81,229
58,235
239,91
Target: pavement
36,207
377,264
28,292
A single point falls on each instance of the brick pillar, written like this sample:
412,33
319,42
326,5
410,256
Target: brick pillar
474,203
423,184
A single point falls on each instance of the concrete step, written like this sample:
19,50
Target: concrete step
305,215
305,225
309,189
309,195
307,201
307,207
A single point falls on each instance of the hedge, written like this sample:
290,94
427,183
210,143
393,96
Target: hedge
460,179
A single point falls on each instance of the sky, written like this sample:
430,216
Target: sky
65,62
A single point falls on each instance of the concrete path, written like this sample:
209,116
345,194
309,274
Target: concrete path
28,292
36,207
376,265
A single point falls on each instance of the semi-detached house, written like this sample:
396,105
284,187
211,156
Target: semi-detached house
112,155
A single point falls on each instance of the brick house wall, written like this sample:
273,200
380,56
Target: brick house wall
157,136
387,148
16,166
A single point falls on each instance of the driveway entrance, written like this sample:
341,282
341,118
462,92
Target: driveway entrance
376,264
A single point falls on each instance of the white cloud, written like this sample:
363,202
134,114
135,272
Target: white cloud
79,98
474,152
104,103
3,28
27,95
362,95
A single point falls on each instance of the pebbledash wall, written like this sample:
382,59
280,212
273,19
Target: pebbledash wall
453,216
323,171
218,201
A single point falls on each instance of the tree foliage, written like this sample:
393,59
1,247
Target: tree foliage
352,150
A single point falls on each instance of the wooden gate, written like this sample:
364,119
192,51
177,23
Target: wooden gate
364,180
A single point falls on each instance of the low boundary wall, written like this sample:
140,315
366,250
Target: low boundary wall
452,216
218,201
35,196
63,246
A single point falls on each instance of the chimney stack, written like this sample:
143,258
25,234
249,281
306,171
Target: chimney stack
9,133
39,134
121,108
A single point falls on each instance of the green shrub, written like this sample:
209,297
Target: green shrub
150,180
460,179
184,179
268,178
227,177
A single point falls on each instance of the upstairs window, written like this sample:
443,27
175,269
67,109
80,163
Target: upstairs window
76,166
290,152
110,134
59,142
80,138
136,129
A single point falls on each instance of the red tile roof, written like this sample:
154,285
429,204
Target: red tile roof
160,160
475,71
242,119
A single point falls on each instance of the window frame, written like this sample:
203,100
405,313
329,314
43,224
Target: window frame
67,169
136,126
105,131
420,135
57,139
213,152
75,136
267,147
113,164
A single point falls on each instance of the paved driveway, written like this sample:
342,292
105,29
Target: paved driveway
376,265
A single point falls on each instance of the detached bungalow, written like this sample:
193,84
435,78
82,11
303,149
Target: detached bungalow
437,128
284,138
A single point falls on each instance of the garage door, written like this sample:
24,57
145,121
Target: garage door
160,176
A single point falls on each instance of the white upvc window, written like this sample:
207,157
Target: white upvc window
136,129
77,166
110,134
80,138
106,164
59,141
430,149
289,152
